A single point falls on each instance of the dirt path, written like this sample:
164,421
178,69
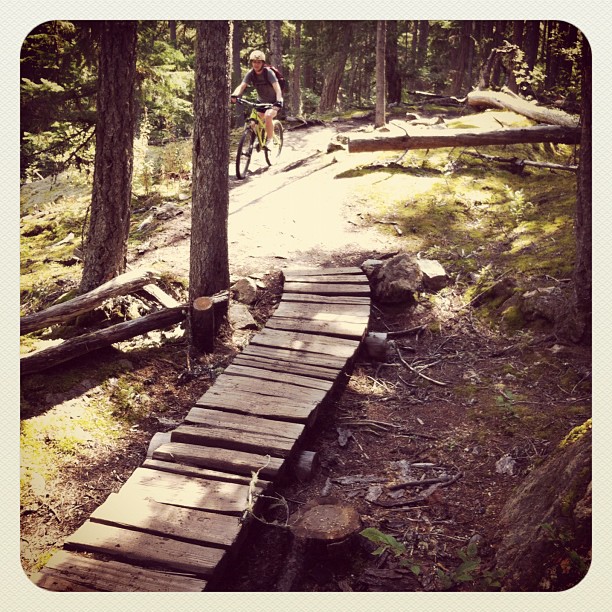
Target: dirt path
276,215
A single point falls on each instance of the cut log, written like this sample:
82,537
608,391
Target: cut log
81,345
511,102
203,324
121,285
429,139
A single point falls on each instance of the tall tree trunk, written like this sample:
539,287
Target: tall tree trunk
334,71
105,251
381,40
532,42
209,259
394,82
296,90
584,210
238,114
462,58
276,48
423,43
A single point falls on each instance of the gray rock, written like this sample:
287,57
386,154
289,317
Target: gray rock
240,317
245,290
434,275
397,280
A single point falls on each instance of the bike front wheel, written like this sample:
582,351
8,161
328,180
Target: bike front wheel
273,153
244,152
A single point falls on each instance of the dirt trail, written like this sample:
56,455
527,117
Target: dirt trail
295,213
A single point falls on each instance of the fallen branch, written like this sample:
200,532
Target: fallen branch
519,164
81,345
422,138
120,285
417,372
442,481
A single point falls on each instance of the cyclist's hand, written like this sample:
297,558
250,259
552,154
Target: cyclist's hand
278,104
233,99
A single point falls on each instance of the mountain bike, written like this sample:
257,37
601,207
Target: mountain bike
254,138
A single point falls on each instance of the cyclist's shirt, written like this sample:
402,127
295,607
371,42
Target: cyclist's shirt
262,83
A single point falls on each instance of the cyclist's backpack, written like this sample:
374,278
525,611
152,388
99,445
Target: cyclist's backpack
282,81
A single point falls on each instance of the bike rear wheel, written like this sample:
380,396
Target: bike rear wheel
244,152
272,155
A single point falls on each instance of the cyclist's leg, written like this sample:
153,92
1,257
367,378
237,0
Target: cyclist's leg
269,119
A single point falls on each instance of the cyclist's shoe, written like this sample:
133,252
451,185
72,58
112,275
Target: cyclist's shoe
269,143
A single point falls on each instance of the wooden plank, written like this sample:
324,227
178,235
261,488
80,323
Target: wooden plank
243,423
221,459
145,548
321,271
353,313
265,407
237,385
184,491
197,526
270,364
357,279
319,360
196,472
233,437
95,575
310,343
282,376
325,299
329,289
51,581
336,329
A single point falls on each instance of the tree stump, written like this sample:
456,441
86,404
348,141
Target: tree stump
322,535
203,324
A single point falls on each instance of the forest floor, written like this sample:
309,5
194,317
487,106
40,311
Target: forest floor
461,395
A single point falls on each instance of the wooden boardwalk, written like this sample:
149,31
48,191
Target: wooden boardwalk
178,520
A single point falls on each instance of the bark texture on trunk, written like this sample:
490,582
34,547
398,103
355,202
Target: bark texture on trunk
209,259
105,249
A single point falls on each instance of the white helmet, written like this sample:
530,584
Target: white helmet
257,55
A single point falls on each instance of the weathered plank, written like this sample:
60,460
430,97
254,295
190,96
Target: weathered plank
329,289
145,548
321,271
268,407
283,377
310,343
246,438
295,356
197,526
269,364
89,574
197,472
325,299
49,581
357,279
275,389
220,459
337,329
180,490
353,313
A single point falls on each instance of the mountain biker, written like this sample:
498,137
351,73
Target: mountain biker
268,90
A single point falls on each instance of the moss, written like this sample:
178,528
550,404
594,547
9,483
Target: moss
513,318
576,434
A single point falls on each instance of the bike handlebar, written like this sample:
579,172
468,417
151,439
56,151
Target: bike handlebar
260,106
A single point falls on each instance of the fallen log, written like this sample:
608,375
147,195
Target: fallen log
516,104
430,139
81,345
519,164
120,285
